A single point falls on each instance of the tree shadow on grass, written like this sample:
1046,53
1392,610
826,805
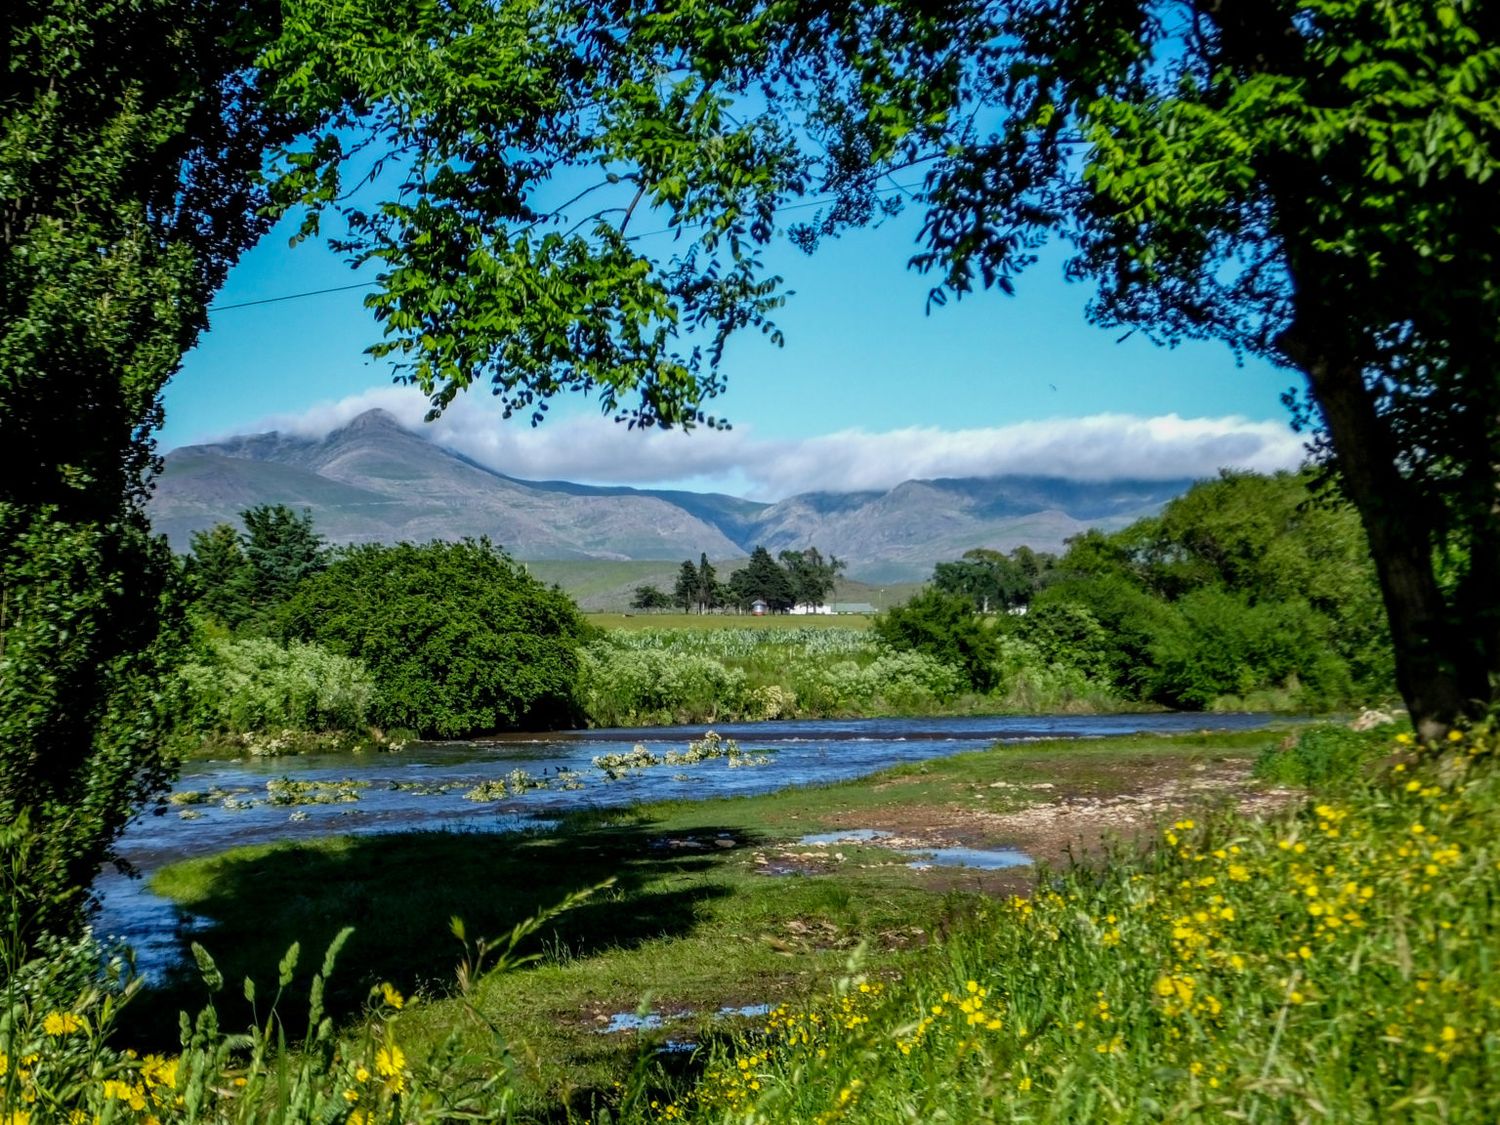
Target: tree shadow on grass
400,892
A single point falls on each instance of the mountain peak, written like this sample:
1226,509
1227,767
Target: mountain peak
376,418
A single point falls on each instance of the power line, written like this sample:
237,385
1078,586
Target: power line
290,296
645,234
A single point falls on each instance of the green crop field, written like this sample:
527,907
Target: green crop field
729,621
607,585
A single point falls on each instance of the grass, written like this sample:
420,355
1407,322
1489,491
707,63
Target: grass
1334,963
609,584
688,929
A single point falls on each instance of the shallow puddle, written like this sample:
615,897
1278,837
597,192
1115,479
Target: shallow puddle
984,859
849,836
633,1021
650,1021
749,1011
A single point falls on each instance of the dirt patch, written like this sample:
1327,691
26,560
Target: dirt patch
1071,817
1076,825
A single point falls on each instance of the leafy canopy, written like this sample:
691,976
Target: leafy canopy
145,145
1309,181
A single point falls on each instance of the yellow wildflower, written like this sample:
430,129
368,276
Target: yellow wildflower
157,1071
389,1061
62,1023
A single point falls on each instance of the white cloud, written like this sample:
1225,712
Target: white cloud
597,451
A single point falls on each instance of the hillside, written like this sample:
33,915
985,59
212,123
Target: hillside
374,480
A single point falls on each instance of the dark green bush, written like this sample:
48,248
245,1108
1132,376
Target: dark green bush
1069,634
1220,645
944,626
458,638
1130,621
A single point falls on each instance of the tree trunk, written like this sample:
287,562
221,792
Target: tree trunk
1440,671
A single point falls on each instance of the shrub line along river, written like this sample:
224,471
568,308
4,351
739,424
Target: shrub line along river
216,805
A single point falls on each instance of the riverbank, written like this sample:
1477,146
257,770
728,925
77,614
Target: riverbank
716,904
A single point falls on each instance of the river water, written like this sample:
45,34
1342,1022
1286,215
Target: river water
225,804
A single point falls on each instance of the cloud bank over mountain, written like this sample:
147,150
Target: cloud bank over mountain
595,450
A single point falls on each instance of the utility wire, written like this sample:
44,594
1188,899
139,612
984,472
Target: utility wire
290,296
644,234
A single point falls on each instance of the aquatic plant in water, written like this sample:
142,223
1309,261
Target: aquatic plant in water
711,745
638,757
285,791
515,783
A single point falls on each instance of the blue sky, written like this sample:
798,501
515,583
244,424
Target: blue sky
861,357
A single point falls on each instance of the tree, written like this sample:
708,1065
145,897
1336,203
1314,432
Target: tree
216,574
685,593
1036,567
762,578
145,146
649,598
710,592
131,142
458,638
233,575
282,549
813,578
989,579
1243,584
1312,183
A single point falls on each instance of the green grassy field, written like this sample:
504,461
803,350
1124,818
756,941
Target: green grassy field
709,621
606,585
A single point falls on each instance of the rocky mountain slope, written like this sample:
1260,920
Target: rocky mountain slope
373,480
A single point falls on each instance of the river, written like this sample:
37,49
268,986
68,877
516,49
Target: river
223,804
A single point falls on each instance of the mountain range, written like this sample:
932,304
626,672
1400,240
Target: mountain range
375,481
